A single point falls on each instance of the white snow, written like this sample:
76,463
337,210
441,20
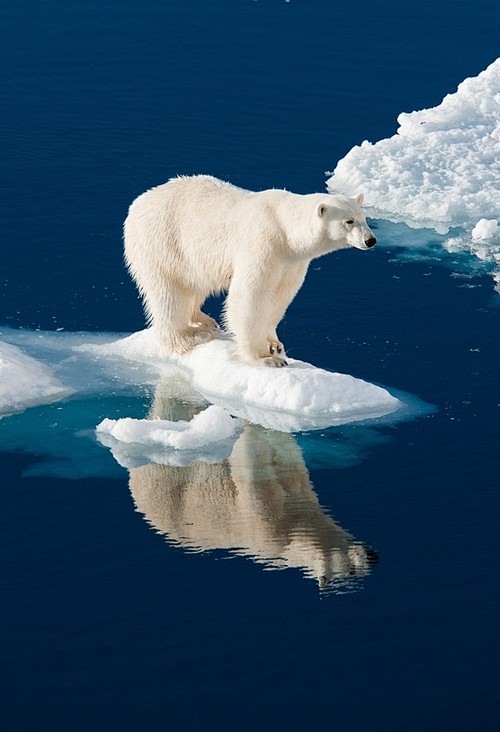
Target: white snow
440,170
25,382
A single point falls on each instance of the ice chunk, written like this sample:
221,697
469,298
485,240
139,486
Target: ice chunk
442,168
25,382
295,398
211,425
485,229
120,376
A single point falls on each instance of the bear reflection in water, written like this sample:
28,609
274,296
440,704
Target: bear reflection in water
259,502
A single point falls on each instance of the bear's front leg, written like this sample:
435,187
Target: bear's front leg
247,316
259,352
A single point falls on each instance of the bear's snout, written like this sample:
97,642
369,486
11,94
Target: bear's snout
370,242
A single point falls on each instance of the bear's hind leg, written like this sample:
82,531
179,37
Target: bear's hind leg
171,315
202,321
192,336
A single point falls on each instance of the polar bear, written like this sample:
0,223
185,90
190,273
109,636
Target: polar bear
196,235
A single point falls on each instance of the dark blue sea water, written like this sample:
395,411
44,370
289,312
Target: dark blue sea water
108,621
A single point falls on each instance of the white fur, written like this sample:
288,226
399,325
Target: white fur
196,236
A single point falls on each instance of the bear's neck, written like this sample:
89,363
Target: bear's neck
301,227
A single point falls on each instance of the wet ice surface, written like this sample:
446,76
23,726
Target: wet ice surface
25,382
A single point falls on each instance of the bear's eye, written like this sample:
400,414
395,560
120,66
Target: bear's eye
350,221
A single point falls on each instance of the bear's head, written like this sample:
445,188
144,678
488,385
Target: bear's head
343,223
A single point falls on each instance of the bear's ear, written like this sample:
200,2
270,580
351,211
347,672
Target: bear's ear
360,198
322,209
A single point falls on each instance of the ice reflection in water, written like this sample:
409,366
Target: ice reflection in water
258,502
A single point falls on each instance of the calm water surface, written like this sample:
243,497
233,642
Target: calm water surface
148,598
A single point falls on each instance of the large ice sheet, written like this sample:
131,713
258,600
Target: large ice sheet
440,170
295,398
25,382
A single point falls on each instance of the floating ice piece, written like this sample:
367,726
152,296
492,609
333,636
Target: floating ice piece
136,454
485,229
441,169
213,424
295,398
25,382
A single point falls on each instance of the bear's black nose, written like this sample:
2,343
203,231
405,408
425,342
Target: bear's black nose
371,242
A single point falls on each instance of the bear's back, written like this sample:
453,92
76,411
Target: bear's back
202,187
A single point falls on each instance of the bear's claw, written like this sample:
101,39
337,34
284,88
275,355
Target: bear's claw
276,361
278,355
275,347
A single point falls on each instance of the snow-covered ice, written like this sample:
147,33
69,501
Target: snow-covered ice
295,398
441,169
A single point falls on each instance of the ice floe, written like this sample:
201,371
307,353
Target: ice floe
295,398
441,169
